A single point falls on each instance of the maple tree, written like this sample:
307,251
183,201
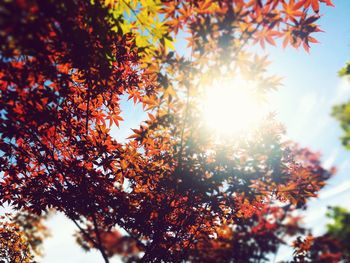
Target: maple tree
21,237
173,191
12,246
332,246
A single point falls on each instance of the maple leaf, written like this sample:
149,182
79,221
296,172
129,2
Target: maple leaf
100,117
114,118
328,2
266,35
292,10
315,4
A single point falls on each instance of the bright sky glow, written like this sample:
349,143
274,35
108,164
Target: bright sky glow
231,106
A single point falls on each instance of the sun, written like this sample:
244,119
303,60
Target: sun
231,106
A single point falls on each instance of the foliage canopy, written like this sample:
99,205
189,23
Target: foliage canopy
172,191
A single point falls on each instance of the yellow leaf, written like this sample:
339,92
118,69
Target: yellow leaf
169,43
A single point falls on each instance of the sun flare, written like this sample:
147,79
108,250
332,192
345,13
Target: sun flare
232,106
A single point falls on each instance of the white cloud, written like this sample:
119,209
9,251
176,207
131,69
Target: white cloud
342,92
335,190
329,162
308,103
344,165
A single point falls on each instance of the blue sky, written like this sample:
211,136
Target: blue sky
303,104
